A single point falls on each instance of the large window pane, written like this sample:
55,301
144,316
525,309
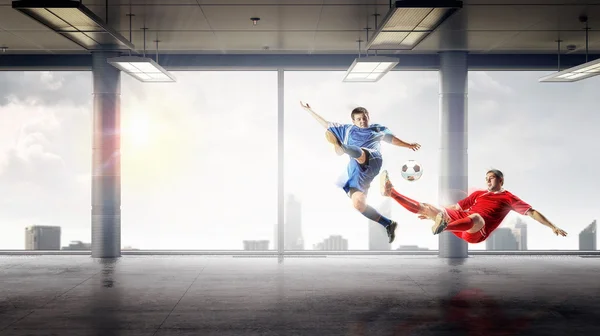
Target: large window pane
406,102
199,161
543,137
45,157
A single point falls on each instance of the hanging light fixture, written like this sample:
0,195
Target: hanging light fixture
143,68
576,73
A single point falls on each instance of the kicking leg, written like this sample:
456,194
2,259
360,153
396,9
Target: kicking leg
354,152
337,145
359,201
387,189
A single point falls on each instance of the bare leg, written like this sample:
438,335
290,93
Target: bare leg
478,223
429,211
334,141
362,159
359,201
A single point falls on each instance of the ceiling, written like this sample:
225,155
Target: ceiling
313,26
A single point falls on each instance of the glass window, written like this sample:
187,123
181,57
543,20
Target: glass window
405,102
199,161
45,158
543,137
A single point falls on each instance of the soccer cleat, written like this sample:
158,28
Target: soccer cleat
391,231
440,224
385,185
336,143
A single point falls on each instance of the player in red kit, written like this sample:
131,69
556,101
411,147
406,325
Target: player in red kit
475,217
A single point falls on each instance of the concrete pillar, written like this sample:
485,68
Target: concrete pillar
280,164
106,157
453,149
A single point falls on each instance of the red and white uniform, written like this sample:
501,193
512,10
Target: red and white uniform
492,206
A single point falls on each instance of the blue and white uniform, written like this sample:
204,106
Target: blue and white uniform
369,139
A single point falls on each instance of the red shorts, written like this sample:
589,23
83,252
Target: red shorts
472,238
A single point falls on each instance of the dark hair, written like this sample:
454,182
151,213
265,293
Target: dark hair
359,110
497,173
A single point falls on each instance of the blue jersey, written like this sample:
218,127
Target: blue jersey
369,137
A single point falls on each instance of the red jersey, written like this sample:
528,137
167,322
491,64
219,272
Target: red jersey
493,206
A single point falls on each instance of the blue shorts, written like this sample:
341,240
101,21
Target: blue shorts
361,176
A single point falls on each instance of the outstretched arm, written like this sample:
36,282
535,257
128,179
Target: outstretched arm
320,119
397,142
400,143
542,219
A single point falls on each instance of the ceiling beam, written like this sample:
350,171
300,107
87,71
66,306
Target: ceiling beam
175,62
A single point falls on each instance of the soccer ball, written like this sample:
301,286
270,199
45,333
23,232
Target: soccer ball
412,170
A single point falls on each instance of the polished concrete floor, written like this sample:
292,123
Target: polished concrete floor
333,295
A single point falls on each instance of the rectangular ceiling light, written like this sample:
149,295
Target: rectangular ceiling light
583,71
409,22
369,69
74,21
142,68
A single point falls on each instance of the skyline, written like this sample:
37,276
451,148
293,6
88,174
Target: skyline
509,237
168,139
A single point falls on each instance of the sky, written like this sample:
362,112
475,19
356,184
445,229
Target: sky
199,156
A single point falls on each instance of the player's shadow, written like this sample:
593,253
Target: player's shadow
464,310
469,312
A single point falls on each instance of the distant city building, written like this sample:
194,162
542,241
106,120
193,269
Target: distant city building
587,238
42,237
411,248
502,239
520,233
129,248
378,239
256,245
292,227
78,245
333,243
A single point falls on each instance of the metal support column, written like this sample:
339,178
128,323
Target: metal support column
106,158
280,161
453,149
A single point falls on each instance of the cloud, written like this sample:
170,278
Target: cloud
38,167
484,82
33,159
43,131
45,88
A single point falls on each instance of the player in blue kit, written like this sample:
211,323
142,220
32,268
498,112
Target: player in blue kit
361,141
